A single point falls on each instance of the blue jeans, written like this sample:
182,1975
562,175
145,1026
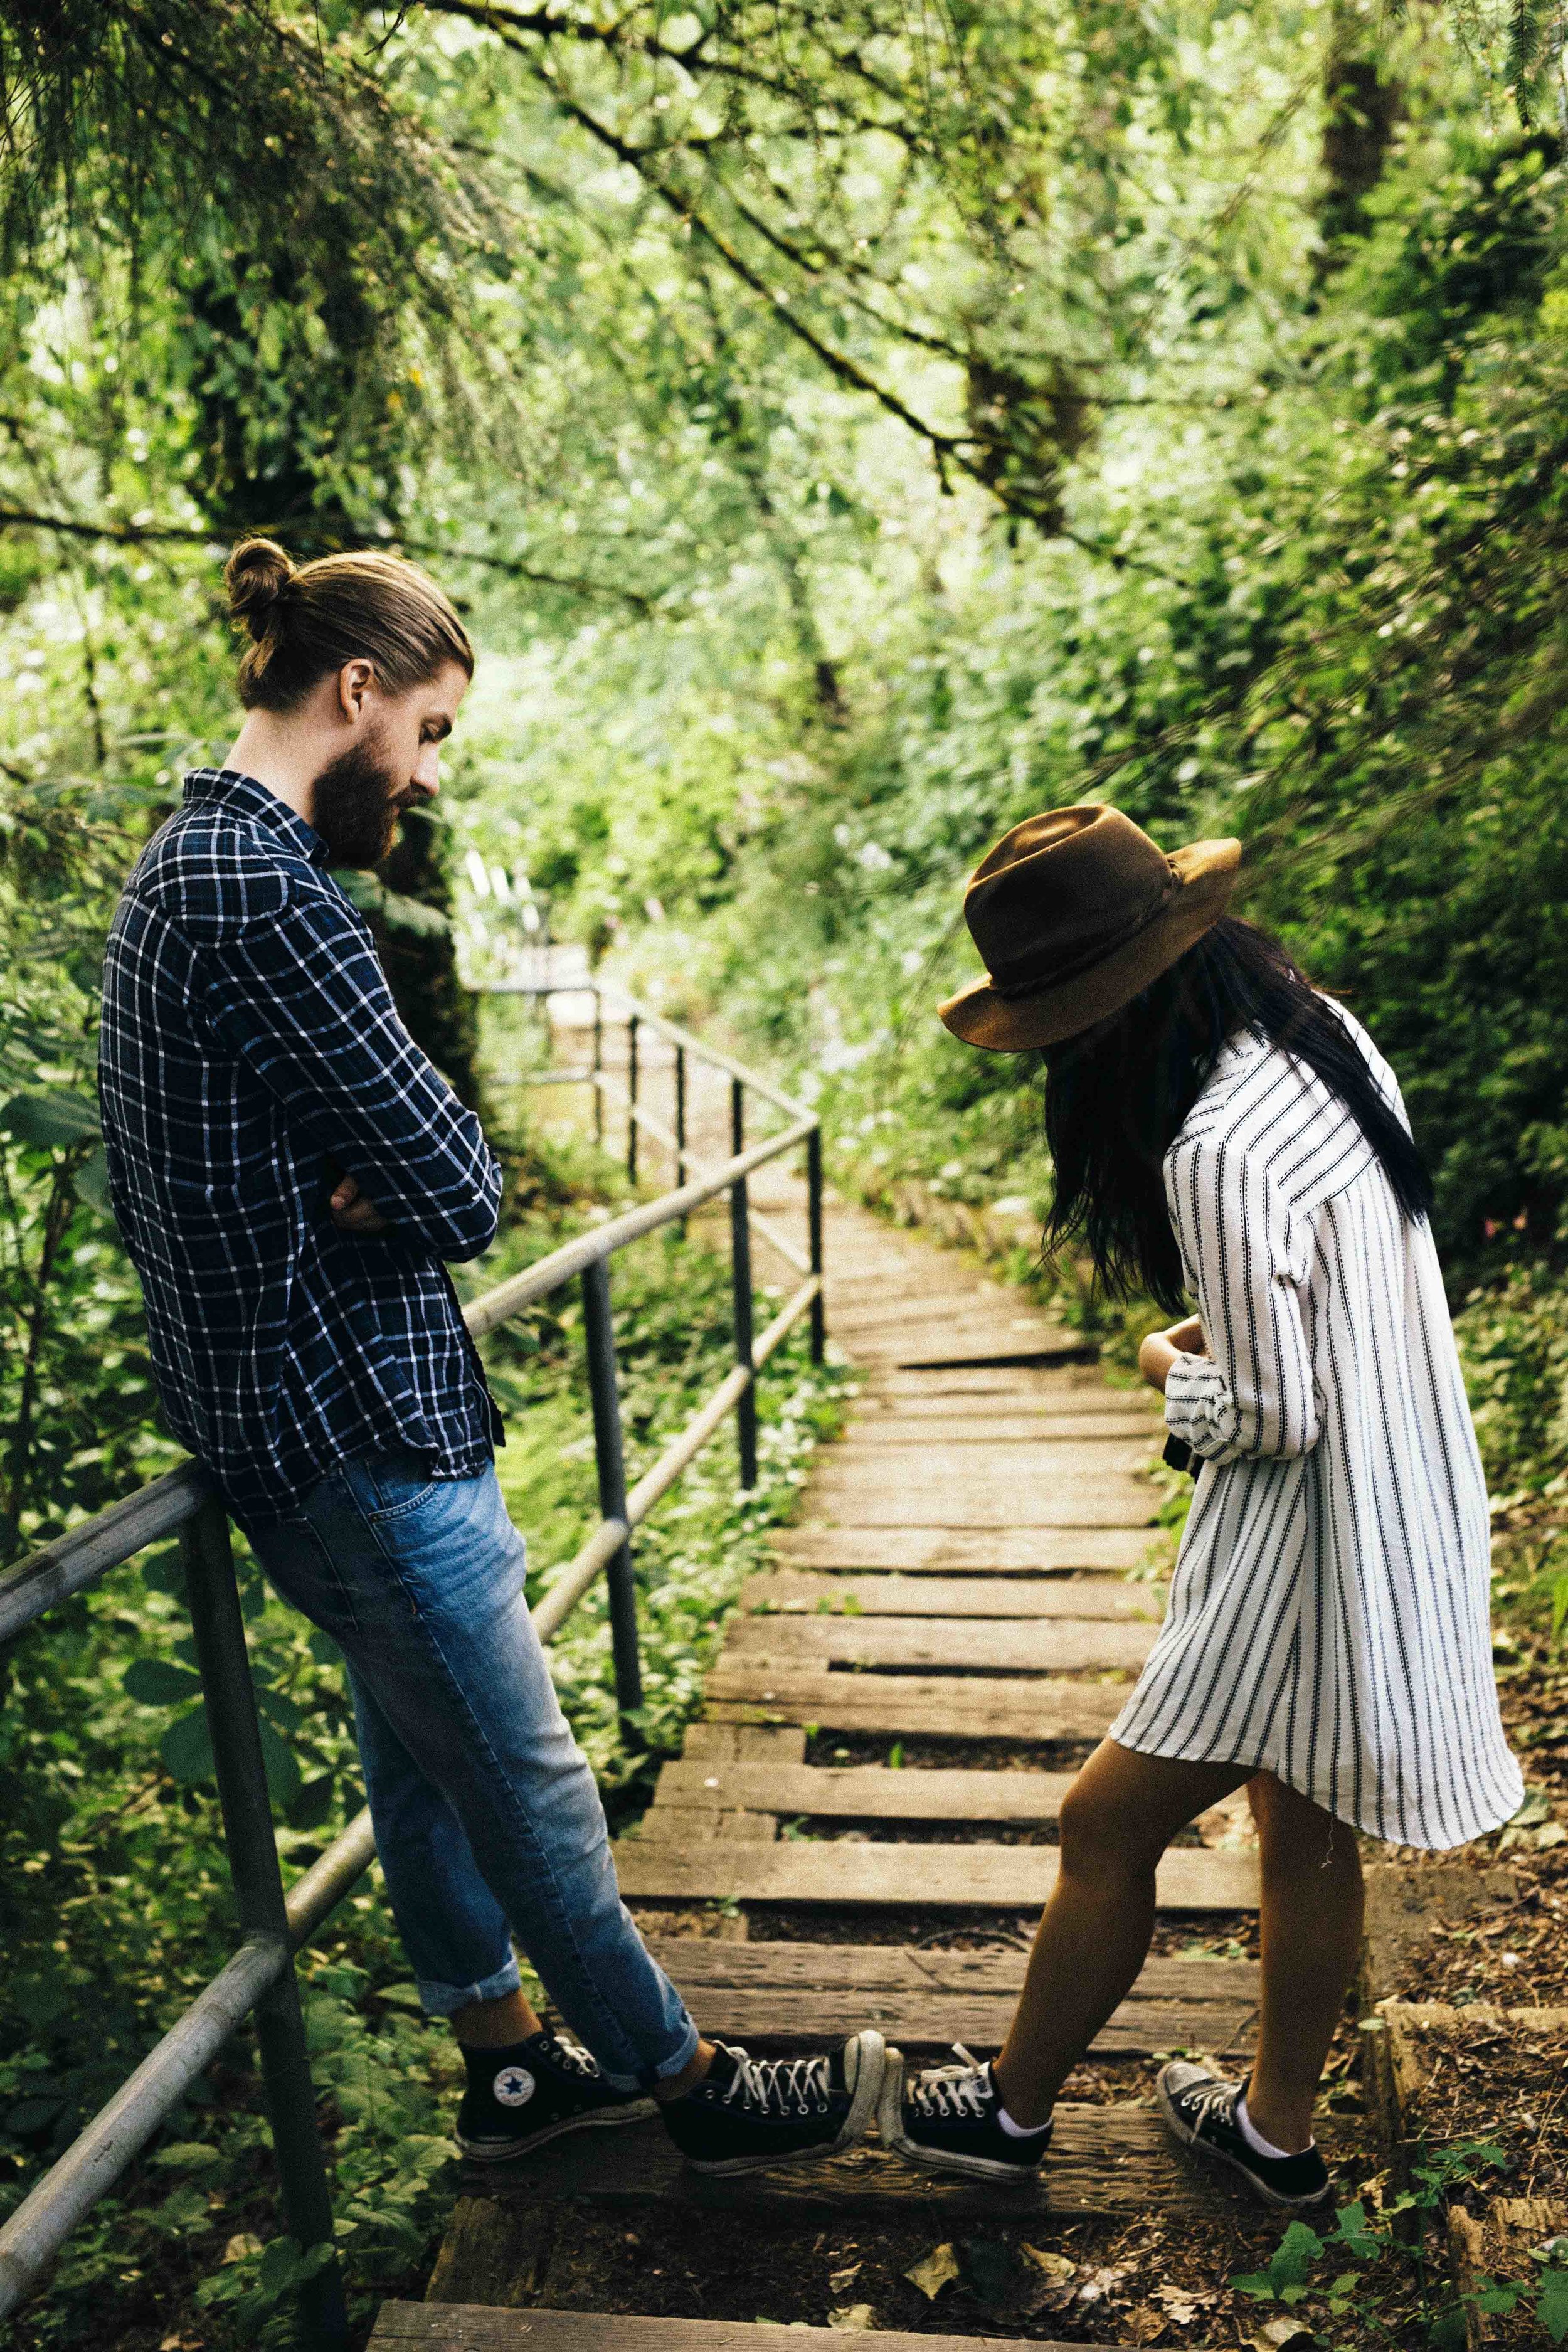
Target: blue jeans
487,1816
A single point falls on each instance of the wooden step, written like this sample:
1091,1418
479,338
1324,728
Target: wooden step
861,1792
1027,1463
869,1429
962,1552
1110,2159
777,1997
945,1707
808,1871
1057,1503
1026,1645
940,1346
1008,1387
485,2328
799,1592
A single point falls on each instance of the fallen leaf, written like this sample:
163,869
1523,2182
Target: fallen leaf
1056,2266
933,2272
1102,2283
238,2246
838,2279
1182,2306
1142,2324
1553,1835
1279,2335
852,2319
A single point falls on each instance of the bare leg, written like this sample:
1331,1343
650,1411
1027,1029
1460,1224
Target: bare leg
1117,1819
1311,1930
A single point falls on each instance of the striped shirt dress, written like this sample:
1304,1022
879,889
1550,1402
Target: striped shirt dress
1329,1613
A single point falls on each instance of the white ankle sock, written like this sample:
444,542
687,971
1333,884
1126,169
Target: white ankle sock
1016,2131
1255,2141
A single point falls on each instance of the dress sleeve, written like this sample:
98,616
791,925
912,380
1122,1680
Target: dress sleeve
1254,1396
303,1001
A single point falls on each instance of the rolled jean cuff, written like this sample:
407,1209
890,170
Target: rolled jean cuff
437,2000
684,2051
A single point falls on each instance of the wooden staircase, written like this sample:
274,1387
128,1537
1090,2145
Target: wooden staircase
886,1741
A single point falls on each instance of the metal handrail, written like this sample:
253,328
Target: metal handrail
259,1977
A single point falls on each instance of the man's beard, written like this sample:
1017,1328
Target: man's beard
357,803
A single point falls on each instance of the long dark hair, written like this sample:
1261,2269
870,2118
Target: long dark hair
1116,1098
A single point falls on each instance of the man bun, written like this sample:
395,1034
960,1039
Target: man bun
306,620
256,576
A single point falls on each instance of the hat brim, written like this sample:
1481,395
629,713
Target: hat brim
1013,1025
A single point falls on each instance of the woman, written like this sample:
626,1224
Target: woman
1220,1130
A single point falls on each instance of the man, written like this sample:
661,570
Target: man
290,1174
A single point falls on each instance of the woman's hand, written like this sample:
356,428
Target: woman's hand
1160,1349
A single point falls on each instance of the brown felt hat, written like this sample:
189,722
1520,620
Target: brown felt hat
1074,913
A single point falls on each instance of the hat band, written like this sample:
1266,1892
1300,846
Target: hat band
1051,972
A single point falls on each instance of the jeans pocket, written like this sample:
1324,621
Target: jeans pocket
387,1488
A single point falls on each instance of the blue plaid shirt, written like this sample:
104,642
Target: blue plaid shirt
251,1053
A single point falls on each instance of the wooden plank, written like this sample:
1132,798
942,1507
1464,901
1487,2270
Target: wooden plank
1021,1645
1064,1504
913,1431
989,1380
1056,1503
1040,1461
937,1345
1104,2159
798,1592
702,1966
964,1551
860,1793
906,1877
852,1970
482,2327
779,2022
944,1707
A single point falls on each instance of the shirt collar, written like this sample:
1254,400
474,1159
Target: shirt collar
243,795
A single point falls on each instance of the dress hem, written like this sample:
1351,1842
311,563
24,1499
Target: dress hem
1179,1754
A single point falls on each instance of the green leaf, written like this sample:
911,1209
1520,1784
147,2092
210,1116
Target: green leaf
154,1681
186,1747
1257,2284
282,1771
91,1182
54,1119
1552,2310
1447,2332
186,2155
1296,2251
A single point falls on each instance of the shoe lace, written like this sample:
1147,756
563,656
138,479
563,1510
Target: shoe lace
778,2086
572,2061
952,2094
1213,2103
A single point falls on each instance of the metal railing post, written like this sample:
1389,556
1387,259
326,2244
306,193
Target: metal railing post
741,1283
680,1123
218,1630
604,1389
598,1065
632,1098
814,1244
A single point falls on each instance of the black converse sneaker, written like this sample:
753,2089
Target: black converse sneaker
748,2113
519,2098
1201,2110
950,2120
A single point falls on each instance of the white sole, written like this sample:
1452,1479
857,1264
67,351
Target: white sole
863,2106
1205,2148
483,2152
892,2133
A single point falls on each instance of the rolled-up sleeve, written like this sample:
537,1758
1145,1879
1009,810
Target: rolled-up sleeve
1254,1397
302,999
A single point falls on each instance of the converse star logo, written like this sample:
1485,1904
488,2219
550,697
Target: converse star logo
515,2086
